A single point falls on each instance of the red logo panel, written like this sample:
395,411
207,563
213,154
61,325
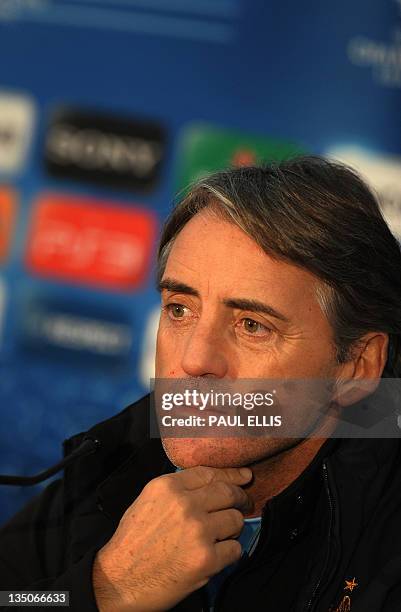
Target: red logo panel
88,241
7,220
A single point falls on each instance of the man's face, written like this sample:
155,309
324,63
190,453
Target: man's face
238,314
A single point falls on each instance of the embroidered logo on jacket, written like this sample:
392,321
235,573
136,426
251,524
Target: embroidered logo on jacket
345,603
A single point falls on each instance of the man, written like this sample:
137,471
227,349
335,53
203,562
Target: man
284,272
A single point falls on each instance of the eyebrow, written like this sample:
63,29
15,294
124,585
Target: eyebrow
172,285
240,303
255,306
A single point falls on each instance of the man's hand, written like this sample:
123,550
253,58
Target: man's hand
177,534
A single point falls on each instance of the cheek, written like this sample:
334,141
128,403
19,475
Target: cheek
318,361
312,358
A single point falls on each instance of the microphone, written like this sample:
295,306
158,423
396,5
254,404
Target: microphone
87,447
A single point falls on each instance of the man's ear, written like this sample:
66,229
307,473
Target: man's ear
360,376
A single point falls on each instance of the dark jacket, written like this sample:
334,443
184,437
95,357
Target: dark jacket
331,541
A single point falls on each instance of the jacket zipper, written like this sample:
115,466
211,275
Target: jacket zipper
311,603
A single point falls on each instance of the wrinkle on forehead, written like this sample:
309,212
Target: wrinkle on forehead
231,264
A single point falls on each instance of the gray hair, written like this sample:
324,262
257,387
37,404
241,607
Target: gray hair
321,216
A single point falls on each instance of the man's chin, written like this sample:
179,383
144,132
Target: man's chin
218,452
190,452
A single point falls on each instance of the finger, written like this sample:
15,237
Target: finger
226,524
219,495
197,477
227,552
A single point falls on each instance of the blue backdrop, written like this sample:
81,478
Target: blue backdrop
107,109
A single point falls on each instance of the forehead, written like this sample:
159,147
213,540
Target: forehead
214,255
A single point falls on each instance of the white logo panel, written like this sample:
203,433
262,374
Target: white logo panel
147,364
16,125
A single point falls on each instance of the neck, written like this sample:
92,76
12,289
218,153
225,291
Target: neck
274,474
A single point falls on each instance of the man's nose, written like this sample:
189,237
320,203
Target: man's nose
205,352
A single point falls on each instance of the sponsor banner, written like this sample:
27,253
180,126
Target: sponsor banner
83,240
58,329
204,149
8,210
379,54
104,149
383,173
16,126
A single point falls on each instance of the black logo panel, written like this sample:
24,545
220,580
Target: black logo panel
105,149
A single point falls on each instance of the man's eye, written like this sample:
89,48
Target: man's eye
254,327
176,311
